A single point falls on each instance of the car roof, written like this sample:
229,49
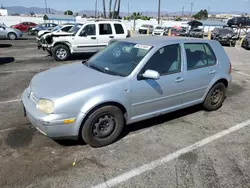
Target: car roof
155,41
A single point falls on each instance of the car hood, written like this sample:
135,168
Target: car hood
40,33
67,79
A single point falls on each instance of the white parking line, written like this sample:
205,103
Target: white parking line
237,48
161,161
242,73
10,101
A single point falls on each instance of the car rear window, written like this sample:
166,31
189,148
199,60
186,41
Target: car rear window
119,29
199,55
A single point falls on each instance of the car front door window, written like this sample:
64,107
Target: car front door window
167,60
150,96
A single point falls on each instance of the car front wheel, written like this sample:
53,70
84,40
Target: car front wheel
215,97
12,36
60,52
103,126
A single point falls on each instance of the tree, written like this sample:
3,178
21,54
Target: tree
113,14
178,18
110,8
77,14
119,7
68,12
201,15
32,13
104,8
136,16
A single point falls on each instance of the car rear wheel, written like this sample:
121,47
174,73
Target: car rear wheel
103,126
60,52
12,36
215,97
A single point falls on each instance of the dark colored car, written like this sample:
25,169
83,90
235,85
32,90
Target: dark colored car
24,26
225,36
246,41
174,32
239,21
196,33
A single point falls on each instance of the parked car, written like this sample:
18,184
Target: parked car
62,30
92,37
196,33
174,32
41,27
246,41
24,26
129,81
144,29
9,33
225,36
239,21
159,31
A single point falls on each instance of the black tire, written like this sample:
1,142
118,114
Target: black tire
63,49
93,132
12,36
232,44
211,104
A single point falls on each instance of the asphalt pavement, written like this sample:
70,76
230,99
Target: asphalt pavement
190,148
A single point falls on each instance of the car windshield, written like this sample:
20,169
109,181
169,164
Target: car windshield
158,27
119,58
75,28
146,26
56,28
225,31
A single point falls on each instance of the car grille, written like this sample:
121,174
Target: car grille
157,33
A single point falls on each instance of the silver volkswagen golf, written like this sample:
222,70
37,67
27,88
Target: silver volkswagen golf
129,81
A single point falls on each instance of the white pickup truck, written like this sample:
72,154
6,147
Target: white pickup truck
92,37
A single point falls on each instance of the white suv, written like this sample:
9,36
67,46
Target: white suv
92,37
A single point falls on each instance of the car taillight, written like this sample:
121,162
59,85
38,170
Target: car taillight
230,68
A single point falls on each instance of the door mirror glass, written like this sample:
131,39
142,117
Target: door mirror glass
151,74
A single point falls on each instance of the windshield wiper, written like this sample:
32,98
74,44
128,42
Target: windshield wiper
97,68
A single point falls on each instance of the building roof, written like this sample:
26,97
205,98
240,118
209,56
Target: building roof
207,23
59,17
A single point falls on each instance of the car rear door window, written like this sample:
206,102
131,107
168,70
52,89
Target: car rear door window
119,29
105,29
167,60
199,55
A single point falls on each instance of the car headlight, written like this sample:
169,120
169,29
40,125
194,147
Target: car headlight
45,105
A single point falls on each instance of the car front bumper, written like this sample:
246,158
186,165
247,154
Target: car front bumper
51,125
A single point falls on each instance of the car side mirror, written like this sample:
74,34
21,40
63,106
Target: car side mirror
151,74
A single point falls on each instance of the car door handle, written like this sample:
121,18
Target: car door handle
179,79
111,37
212,72
93,38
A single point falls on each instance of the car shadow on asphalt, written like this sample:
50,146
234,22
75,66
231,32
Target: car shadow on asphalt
5,45
6,60
159,120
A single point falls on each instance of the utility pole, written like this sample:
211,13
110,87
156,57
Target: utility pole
45,1
128,8
96,4
182,11
191,10
159,11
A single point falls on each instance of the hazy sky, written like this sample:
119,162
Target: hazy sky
139,5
